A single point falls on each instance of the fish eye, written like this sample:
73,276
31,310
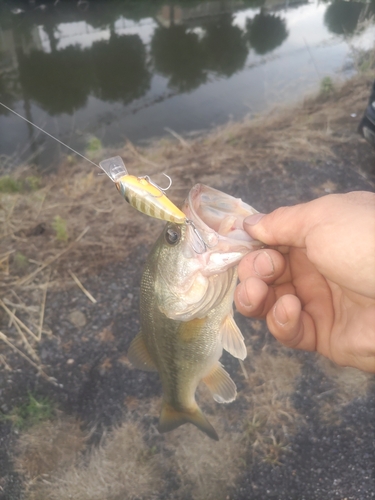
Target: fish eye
173,235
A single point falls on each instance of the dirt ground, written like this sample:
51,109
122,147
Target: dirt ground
300,429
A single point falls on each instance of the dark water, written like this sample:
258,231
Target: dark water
117,70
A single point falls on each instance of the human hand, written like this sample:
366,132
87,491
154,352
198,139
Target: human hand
316,286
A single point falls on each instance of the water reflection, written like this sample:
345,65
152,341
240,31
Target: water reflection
119,68
178,54
342,17
266,32
60,81
225,46
118,52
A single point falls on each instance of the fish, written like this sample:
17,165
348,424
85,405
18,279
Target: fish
186,305
142,193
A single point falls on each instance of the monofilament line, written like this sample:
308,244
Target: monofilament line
52,137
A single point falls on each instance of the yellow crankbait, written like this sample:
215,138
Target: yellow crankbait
141,193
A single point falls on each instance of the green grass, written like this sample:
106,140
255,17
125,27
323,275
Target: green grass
32,183
10,185
61,231
30,413
20,260
94,146
326,86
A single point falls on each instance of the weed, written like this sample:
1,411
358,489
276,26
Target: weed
326,87
253,428
20,260
94,146
32,183
59,225
275,449
9,185
30,413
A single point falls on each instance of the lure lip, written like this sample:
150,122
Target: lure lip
114,167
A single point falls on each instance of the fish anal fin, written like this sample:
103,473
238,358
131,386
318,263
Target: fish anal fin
139,355
232,338
171,418
222,387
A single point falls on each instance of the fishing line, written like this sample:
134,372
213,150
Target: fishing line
52,137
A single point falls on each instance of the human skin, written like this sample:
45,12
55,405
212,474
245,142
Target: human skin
315,286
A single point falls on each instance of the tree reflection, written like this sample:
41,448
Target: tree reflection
266,32
59,81
178,54
341,17
119,66
225,46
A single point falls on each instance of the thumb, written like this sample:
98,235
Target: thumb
284,226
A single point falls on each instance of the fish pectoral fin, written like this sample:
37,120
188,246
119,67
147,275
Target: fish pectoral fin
139,355
222,387
171,419
232,338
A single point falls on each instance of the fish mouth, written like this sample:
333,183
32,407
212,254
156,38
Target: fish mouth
218,219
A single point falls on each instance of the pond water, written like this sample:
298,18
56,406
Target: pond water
117,70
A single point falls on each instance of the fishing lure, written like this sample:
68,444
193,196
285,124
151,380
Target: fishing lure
142,193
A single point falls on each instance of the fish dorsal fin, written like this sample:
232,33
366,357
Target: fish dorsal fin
139,355
232,338
222,387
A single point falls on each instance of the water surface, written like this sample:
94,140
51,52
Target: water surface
129,70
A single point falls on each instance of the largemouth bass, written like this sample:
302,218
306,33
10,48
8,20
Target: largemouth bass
186,305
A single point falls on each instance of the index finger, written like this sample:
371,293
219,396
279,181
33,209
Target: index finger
267,264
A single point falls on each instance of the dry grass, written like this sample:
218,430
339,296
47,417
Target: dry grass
137,462
271,418
45,448
349,384
205,469
122,467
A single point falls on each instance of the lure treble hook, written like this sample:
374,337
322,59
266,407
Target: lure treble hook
162,190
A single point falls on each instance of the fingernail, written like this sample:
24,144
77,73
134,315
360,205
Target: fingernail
280,314
251,220
263,265
243,298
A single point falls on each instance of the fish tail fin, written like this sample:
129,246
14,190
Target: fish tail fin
171,419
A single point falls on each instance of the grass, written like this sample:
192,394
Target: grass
20,261
60,227
30,413
326,87
122,467
94,147
9,184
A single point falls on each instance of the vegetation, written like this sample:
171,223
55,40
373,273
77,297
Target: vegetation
9,185
326,86
59,225
20,261
30,413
